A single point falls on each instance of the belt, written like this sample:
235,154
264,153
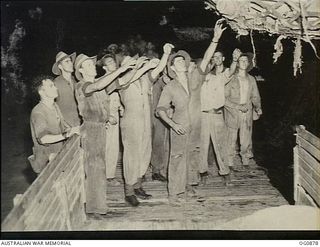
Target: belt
215,111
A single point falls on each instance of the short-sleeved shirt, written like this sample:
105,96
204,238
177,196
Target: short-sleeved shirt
212,90
93,107
45,121
66,100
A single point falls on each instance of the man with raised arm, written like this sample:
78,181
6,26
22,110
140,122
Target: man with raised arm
212,105
136,126
93,107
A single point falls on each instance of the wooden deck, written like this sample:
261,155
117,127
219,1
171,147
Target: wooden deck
250,192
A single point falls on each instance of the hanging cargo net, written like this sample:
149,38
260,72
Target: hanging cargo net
298,20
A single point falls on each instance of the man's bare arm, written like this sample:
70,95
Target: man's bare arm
218,30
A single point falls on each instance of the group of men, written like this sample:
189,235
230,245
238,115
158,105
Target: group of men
167,110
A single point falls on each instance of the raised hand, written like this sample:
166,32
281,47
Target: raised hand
129,64
236,54
141,61
153,63
167,48
218,30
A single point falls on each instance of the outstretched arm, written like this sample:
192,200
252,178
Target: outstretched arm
167,48
218,30
105,80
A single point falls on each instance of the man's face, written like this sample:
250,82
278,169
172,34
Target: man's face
88,68
179,64
109,64
218,58
66,65
112,49
243,62
48,89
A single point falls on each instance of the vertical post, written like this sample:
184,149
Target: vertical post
295,172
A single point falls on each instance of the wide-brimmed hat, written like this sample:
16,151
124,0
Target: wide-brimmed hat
112,46
79,60
180,53
59,57
250,57
100,61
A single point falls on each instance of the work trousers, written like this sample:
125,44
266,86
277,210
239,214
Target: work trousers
245,139
136,139
93,143
213,128
160,147
112,150
183,166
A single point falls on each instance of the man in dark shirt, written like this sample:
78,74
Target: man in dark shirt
65,82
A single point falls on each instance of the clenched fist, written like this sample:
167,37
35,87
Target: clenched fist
167,48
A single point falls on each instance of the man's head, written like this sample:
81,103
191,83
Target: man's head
108,63
178,62
218,58
45,87
63,63
85,66
66,65
150,46
124,48
245,62
113,48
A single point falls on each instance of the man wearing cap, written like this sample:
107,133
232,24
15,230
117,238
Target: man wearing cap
93,107
183,168
212,103
242,99
63,68
48,127
136,127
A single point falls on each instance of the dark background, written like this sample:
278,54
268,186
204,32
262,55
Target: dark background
88,27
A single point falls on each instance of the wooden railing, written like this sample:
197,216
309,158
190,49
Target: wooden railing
55,200
306,168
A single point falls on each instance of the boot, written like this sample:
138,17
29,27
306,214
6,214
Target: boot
159,177
132,200
142,194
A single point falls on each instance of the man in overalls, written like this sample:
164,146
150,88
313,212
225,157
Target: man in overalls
136,127
93,107
180,93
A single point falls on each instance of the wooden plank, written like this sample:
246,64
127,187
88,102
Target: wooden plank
304,199
307,187
314,151
314,140
42,184
295,171
309,170
310,180
311,161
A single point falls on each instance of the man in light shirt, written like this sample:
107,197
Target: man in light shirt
212,102
242,99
